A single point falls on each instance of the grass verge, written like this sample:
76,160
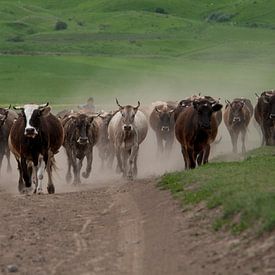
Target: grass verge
243,190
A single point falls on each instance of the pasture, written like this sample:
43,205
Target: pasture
141,51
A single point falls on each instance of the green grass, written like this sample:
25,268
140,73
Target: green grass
244,191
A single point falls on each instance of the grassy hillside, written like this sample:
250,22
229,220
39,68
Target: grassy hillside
243,191
145,50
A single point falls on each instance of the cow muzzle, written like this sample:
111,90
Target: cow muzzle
83,140
31,132
165,129
236,119
127,128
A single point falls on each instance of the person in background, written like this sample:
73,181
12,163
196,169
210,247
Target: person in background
89,106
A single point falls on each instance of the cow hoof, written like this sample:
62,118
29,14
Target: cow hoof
39,191
130,177
51,189
85,175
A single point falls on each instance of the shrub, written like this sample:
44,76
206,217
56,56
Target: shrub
16,38
60,25
161,10
219,17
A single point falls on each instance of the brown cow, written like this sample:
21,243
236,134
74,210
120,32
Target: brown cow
80,136
237,116
196,128
7,117
127,130
264,114
34,139
162,122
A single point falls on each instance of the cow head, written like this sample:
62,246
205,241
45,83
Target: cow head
32,114
82,124
128,113
269,98
3,116
205,109
165,115
236,111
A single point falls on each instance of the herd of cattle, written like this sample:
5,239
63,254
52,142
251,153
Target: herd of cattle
34,135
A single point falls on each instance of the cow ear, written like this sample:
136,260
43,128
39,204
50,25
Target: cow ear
46,111
91,119
266,99
216,107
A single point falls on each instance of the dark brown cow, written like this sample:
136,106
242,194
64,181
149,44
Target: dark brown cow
196,128
7,117
264,114
35,138
236,117
81,134
162,122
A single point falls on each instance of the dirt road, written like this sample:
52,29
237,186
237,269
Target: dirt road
121,228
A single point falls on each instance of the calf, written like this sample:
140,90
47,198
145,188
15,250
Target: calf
162,122
237,116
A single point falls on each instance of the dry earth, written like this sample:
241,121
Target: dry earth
122,228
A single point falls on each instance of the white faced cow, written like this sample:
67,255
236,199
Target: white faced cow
35,138
127,130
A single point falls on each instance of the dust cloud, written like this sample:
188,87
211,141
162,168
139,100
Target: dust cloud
150,163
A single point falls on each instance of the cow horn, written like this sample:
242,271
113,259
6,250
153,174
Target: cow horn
227,102
157,110
121,107
137,105
257,95
8,107
18,108
171,111
43,105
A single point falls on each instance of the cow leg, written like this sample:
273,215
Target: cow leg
135,166
9,169
69,174
49,162
40,175
110,156
77,179
185,157
89,156
1,159
191,157
119,168
132,157
21,184
160,143
125,157
206,154
26,173
243,134
200,158
234,139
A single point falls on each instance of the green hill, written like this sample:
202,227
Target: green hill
177,46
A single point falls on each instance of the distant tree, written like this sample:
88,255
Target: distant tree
60,25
